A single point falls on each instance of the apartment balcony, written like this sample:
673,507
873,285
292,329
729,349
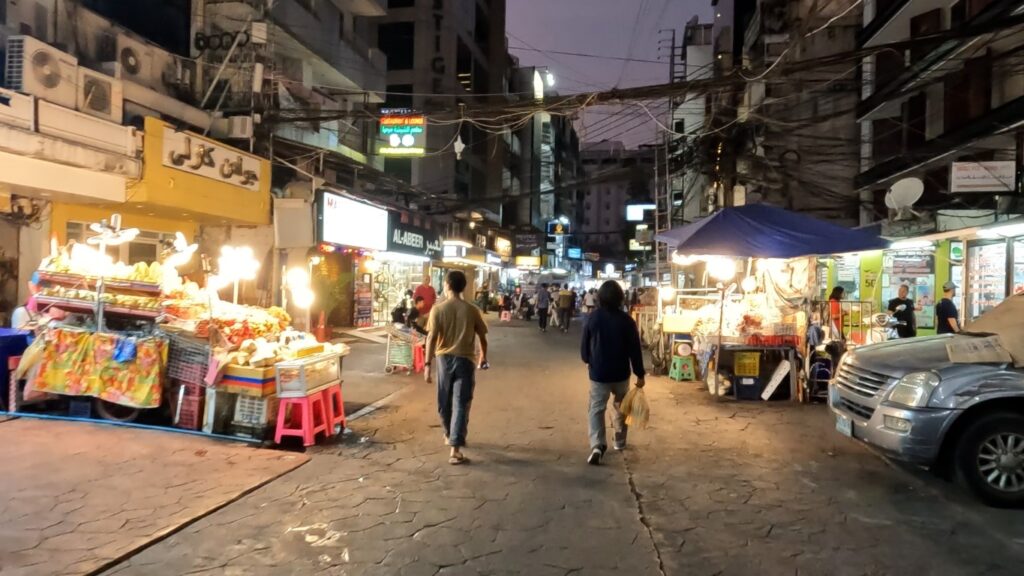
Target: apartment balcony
1005,118
940,59
344,63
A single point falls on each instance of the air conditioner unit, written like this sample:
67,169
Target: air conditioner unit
100,95
240,127
36,68
142,63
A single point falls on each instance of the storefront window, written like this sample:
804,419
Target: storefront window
986,278
916,269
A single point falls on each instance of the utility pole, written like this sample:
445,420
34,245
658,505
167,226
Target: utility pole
663,194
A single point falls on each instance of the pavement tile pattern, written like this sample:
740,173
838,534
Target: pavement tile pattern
77,497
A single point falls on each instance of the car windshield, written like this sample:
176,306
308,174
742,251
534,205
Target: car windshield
1006,320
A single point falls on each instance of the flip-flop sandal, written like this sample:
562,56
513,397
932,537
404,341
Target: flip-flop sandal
456,460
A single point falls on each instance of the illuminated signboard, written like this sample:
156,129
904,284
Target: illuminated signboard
635,212
405,133
575,253
345,222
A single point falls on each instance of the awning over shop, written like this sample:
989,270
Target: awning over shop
762,231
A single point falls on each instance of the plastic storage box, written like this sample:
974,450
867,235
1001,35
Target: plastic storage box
300,378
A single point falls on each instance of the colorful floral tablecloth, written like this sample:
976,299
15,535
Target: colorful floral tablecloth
81,363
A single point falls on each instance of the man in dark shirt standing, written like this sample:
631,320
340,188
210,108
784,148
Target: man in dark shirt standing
947,316
906,315
610,346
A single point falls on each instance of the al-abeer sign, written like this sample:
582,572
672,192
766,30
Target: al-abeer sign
192,153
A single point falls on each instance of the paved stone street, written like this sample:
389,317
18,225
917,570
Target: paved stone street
710,488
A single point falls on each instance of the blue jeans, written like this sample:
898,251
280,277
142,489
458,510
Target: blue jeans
455,383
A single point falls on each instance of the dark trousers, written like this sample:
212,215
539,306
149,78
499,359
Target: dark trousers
542,313
564,318
456,379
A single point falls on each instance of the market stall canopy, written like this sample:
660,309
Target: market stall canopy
762,231
1006,320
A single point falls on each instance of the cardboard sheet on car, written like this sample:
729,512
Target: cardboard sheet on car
1007,321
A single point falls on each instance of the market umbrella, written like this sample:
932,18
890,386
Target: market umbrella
763,231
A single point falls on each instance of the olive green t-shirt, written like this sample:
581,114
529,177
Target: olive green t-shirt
456,323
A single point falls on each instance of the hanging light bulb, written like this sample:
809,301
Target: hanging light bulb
459,147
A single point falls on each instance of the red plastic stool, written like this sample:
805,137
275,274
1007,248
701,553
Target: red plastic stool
335,409
303,421
419,358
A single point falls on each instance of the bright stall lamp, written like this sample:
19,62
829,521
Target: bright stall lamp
372,265
302,298
1005,231
683,260
911,245
749,284
237,263
721,268
667,293
915,389
297,278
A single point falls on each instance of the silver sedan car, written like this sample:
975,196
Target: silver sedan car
906,398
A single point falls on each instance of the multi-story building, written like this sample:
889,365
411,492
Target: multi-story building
100,98
801,136
443,54
947,110
615,176
690,179
543,161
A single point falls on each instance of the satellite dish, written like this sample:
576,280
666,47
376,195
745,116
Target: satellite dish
902,196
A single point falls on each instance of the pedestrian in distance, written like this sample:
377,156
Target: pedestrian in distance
610,347
566,303
946,315
453,329
589,302
902,309
427,292
543,306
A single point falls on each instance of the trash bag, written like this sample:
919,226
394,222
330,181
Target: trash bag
635,408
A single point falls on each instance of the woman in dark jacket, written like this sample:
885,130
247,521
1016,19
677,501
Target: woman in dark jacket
610,347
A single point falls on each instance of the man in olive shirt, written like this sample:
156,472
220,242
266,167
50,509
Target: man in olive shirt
453,328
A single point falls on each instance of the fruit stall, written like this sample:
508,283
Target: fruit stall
143,344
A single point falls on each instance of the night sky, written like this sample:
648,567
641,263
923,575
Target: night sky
601,28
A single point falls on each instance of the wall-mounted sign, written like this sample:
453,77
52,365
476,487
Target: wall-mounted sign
968,177
409,239
404,134
345,222
492,258
481,241
197,155
644,234
635,212
455,251
503,246
592,256
527,243
528,262
557,228
635,246
575,253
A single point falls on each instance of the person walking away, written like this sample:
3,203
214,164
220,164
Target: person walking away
589,302
566,299
610,347
543,306
453,328
427,292
946,314
902,309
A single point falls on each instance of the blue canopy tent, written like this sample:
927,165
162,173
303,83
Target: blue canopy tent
762,231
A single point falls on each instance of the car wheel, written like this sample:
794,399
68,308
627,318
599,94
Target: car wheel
990,459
